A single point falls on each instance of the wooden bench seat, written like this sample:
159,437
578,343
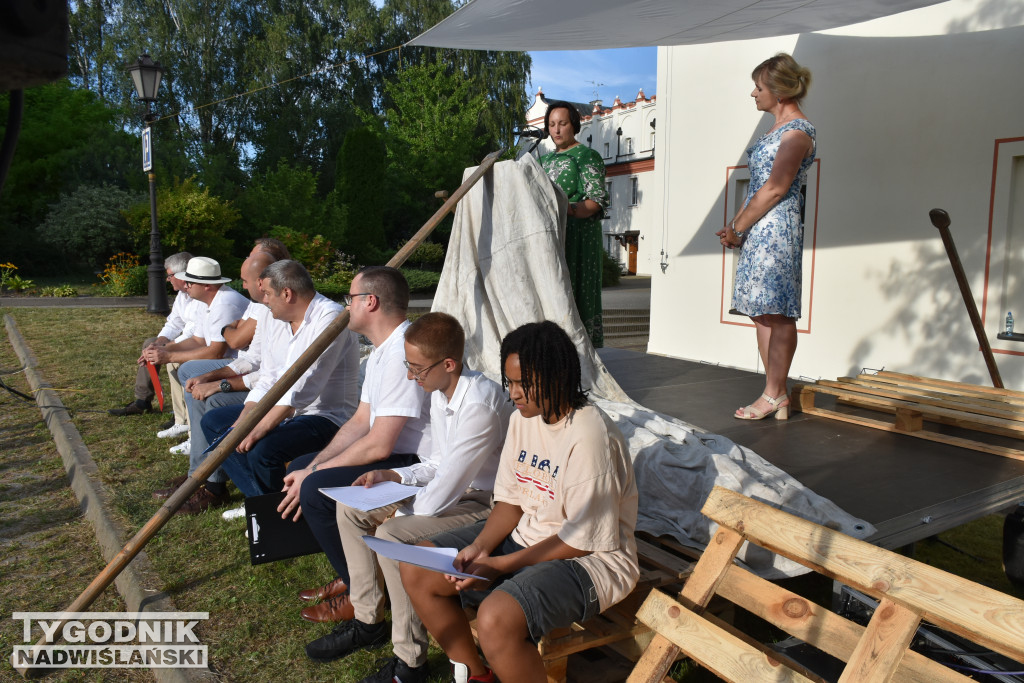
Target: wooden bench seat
908,593
662,564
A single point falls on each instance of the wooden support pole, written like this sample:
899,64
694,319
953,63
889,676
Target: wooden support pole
252,418
940,219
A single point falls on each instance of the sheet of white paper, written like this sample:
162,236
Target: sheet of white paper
434,559
380,494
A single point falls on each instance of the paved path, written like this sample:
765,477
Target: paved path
633,292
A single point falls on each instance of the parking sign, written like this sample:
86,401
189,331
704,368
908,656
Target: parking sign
147,150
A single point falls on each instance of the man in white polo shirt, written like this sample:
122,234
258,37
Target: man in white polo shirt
390,429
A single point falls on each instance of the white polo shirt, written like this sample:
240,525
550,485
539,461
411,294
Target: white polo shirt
227,307
390,392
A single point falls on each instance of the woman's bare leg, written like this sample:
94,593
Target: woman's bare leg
777,341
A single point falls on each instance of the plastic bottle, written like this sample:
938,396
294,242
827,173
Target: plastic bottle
1009,322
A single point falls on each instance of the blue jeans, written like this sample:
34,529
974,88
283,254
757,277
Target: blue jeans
262,469
196,410
321,512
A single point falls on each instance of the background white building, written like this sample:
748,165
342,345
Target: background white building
915,111
624,135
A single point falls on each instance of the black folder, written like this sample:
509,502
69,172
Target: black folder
272,538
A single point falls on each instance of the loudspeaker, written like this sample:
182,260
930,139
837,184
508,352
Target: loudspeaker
33,42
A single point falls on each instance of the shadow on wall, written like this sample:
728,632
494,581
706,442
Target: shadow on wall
991,14
944,339
888,136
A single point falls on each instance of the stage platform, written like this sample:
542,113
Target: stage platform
908,488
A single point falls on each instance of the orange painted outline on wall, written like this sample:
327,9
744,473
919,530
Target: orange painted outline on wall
814,248
988,242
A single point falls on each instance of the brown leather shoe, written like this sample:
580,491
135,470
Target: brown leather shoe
172,486
201,501
333,588
337,608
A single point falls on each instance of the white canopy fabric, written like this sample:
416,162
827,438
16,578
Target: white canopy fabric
505,268
599,24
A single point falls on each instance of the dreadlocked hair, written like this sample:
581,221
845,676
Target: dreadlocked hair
550,366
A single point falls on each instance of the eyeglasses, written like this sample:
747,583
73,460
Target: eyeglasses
347,298
418,375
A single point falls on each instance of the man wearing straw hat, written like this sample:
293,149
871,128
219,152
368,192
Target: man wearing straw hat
216,307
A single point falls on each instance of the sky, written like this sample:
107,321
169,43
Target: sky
575,75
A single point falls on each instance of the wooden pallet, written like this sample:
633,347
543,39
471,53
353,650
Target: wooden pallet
913,401
908,593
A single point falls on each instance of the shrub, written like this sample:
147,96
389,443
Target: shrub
316,252
421,280
190,219
610,271
15,283
88,225
123,276
333,286
428,255
59,291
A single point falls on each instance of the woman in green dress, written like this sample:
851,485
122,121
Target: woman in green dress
579,171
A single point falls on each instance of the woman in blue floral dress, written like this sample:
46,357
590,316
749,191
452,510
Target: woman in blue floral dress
579,171
769,231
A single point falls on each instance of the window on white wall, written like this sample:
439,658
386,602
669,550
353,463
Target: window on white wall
629,146
607,149
634,191
608,189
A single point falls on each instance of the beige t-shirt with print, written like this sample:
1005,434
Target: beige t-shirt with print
575,479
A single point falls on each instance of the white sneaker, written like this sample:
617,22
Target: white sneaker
172,431
183,448
234,513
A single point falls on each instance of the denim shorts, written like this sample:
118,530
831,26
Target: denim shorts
552,594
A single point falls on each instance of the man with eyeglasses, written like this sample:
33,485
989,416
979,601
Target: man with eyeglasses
469,416
390,428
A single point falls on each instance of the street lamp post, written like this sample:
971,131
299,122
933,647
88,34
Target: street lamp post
146,75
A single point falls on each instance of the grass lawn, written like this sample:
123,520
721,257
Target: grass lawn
254,631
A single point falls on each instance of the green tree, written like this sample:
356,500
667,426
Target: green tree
432,133
189,218
68,138
501,77
362,194
286,196
88,225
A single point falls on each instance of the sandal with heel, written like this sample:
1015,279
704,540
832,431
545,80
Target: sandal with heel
781,412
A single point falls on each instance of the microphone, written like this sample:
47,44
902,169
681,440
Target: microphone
532,133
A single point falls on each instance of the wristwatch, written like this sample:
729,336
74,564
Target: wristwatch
225,386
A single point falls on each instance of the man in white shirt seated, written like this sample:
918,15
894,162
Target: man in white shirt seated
390,429
468,418
222,382
310,412
179,325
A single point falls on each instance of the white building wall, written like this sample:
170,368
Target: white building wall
906,123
